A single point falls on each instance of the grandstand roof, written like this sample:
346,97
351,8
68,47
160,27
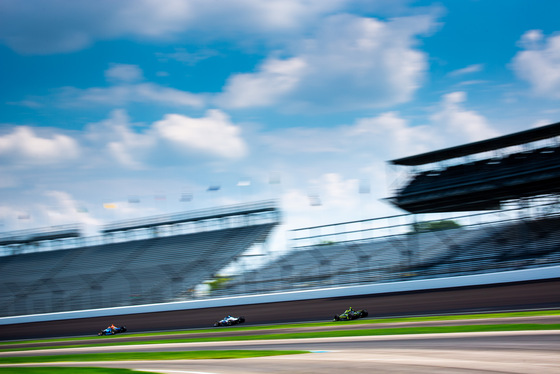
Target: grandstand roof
207,214
31,236
522,137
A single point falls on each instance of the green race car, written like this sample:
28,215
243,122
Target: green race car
351,314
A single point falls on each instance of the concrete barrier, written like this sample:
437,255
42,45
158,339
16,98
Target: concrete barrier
523,275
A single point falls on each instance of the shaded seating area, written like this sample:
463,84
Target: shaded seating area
382,259
483,247
151,270
486,183
507,246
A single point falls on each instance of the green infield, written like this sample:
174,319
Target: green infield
69,370
327,334
143,356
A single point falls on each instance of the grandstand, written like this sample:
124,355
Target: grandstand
142,261
509,183
482,175
481,243
483,207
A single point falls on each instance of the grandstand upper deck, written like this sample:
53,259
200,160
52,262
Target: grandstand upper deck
255,210
68,237
523,165
37,235
519,138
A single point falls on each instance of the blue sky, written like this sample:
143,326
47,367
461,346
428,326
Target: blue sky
139,100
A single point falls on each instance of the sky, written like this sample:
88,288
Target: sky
114,110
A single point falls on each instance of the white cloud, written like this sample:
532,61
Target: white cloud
459,124
275,79
467,70
122,143
43,26
126,89
175,137
63,209
22,147
539,63
213,134
394,136
188,58
351,62
531,39
123,73
123,94
370,139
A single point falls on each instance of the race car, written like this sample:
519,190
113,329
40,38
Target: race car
351,314
112,330
229,321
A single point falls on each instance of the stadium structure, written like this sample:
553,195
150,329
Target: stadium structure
152,260
480,208
483,207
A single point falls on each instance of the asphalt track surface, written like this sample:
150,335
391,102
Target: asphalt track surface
511,296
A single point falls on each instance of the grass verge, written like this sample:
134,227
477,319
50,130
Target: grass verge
69,370
143,356
328,334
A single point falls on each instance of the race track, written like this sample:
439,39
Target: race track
511,296
496,352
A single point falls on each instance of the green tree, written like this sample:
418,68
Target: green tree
434,226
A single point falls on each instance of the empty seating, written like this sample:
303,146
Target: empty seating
141,271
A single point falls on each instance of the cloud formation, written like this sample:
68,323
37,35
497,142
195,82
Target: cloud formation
126,87
350,63
213,134
462,125
123,73
46,27
124,94
23,147
117,137
539,63
475,68
138,146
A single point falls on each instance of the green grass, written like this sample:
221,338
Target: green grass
366,332
329,334
133,356
68,370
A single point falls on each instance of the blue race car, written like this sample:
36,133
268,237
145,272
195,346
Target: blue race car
229,321
112,330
